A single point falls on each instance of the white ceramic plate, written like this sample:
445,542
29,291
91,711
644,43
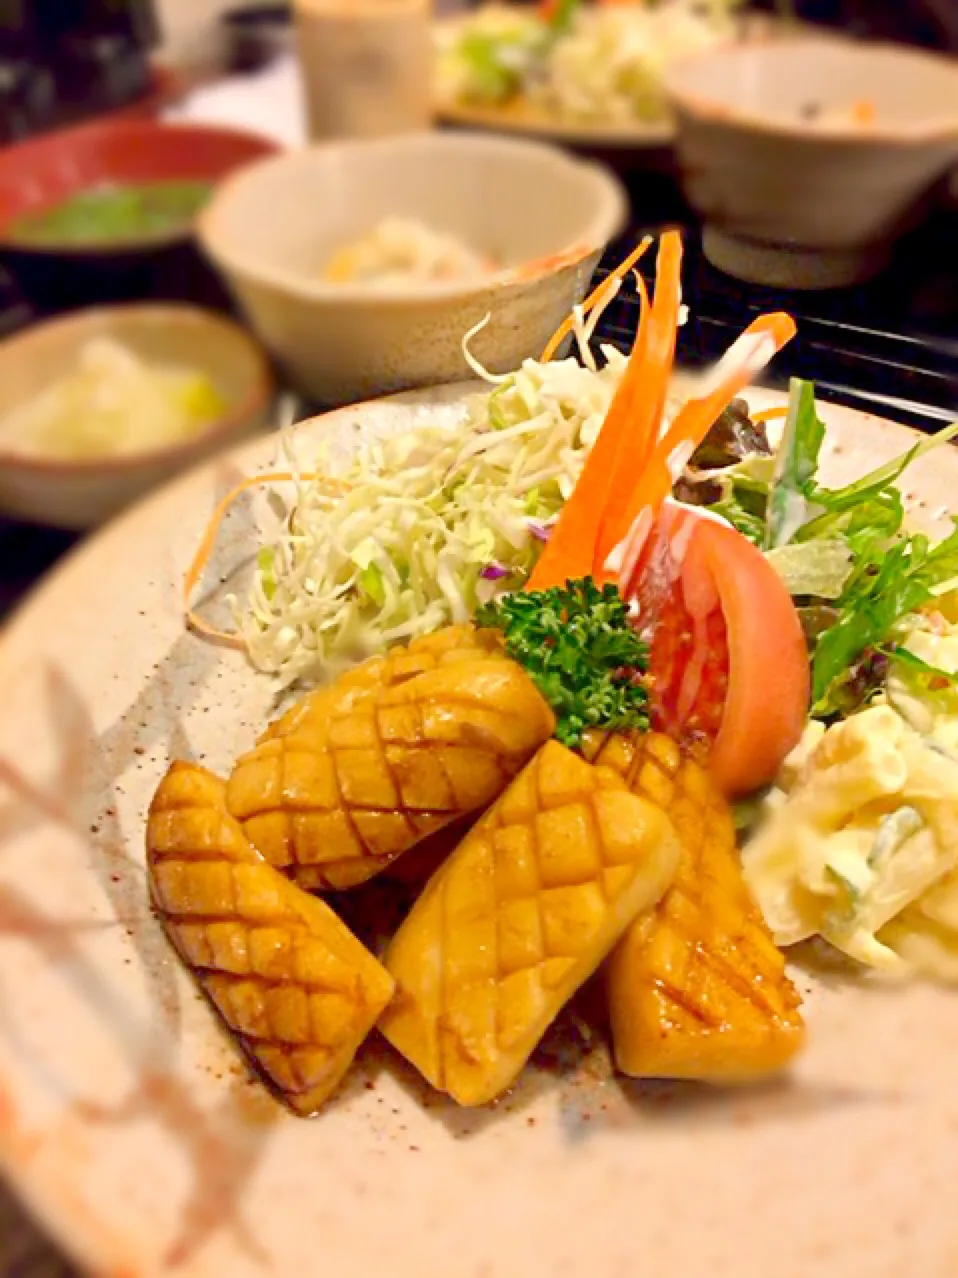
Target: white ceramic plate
130,1126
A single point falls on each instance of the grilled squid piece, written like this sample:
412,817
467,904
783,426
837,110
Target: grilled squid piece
290,980
697,988
348,785
312,713
518,918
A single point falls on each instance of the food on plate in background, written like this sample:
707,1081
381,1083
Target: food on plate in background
521,914
111,403
294,985
697,988
577,62
114,214
401,251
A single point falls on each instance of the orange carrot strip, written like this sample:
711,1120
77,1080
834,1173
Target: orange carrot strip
648,401
205,549
599,294
769,414
693,423
570,551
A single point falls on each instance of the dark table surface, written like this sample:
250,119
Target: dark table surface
896,337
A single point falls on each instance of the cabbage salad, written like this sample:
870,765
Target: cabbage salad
587,63
434,523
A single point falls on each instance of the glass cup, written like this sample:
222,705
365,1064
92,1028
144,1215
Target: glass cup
367,66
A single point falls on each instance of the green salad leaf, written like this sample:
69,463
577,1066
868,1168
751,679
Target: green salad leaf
844,554
581,651
877,483
925,676
742,520
789,504
885,586
819,569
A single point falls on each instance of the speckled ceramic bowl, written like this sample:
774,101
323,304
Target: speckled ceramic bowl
544,216
807,157
81,494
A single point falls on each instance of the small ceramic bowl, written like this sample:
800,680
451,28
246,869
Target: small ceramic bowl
44,171
808,156
81,494
541,215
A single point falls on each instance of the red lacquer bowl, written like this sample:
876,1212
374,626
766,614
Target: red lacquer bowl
46,170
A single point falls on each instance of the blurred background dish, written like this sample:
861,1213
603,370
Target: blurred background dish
542,217
256,34
98,407
65,62
74,208
577,72
808,157
586,76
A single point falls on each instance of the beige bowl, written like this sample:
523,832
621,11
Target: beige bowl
81,494
272,229
794,191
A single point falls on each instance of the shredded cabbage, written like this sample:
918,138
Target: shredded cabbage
435,522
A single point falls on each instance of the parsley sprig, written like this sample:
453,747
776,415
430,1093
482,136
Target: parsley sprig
582,653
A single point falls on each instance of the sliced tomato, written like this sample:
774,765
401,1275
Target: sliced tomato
727,660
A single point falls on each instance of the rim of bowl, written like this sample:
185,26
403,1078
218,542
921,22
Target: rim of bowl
182,234
608,219
256,401
696,102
